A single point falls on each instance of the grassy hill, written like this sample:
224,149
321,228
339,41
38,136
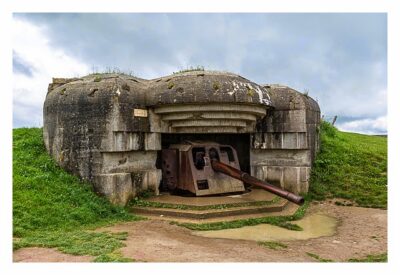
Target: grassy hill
52,208
350,166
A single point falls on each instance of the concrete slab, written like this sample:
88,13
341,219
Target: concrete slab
255,195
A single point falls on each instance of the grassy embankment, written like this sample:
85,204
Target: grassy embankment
52,208
352,167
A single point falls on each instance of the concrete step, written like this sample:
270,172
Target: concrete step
211,213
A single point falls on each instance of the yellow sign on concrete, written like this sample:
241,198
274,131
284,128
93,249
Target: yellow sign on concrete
140,112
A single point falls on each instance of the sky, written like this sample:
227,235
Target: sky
339,59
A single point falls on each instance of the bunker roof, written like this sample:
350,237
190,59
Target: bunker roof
184,87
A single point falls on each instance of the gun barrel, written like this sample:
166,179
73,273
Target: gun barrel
240,175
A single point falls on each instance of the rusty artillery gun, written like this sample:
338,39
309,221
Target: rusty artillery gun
207,168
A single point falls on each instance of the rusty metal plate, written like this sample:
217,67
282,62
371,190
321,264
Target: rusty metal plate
169,168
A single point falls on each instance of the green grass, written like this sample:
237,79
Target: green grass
318,258
190,69
139,202
380,258
112,257
52,208
352,167
281,221
273,245
76,242
97,79
109,70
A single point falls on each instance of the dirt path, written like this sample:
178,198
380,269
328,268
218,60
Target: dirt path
38,254
361,231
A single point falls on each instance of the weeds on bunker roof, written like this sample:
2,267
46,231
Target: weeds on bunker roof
171,85
190,69
97,79
250,90
216,86
109,70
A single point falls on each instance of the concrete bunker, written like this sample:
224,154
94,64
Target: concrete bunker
111,129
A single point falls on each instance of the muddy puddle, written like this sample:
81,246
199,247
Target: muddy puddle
314,226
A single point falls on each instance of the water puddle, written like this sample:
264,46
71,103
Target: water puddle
314,226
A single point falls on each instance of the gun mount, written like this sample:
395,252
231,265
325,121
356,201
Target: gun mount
206,168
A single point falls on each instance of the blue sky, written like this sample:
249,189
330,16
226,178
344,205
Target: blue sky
340,59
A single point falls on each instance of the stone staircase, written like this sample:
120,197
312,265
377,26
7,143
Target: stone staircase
257,203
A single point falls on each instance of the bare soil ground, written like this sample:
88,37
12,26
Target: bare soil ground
361,232
42,255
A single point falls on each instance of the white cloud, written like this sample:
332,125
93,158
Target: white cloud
32,47
366,126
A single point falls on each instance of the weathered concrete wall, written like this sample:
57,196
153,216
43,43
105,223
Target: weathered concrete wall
91,130
287,140
107,128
